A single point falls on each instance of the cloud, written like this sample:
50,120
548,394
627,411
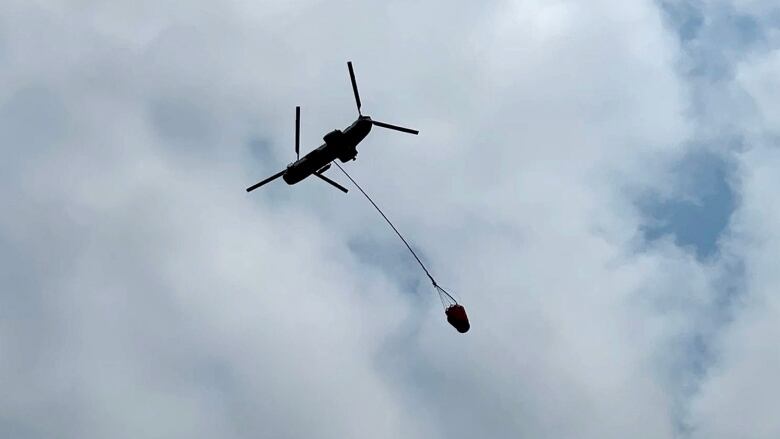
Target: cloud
146,295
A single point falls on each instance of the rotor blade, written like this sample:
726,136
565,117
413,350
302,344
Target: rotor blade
271,178
331,182
394,127
354,85
297,132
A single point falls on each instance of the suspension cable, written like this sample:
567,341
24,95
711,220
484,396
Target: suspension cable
433,281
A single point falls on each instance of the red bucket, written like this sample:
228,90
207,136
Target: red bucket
456,316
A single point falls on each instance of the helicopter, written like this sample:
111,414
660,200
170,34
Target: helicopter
341,145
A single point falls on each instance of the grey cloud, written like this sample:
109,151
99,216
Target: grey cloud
146,295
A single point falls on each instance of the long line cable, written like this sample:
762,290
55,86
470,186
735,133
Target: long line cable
428,273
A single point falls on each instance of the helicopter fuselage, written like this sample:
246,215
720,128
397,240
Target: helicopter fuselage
341,145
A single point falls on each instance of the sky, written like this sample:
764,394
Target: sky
594,181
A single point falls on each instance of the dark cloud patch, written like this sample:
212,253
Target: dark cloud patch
261,149
392,258
714,35
182,120
685,18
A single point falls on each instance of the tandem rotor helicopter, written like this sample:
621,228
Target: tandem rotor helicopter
342,145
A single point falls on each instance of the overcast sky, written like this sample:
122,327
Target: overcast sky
595,181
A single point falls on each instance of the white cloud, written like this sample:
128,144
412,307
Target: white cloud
148,296
740,391
758,77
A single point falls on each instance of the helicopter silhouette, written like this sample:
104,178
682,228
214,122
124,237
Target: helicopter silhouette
341,145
